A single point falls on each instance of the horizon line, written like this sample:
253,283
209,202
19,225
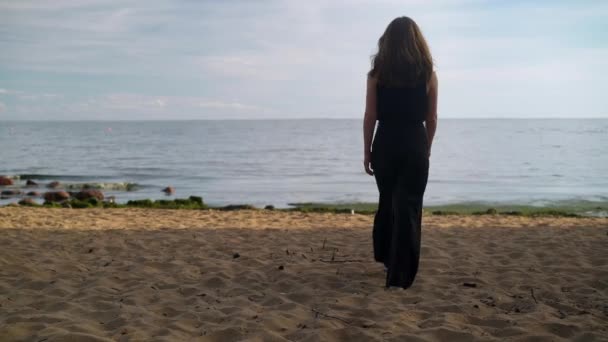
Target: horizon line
289,119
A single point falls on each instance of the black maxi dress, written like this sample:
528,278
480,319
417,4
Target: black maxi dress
401,165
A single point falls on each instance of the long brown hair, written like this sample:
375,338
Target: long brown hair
403,56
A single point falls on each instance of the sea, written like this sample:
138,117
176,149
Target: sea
278,162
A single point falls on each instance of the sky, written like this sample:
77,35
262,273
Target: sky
239,59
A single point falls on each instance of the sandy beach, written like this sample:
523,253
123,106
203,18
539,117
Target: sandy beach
187,275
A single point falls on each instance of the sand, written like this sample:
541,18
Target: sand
162,275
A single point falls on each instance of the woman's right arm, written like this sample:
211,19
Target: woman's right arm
369,124
431,115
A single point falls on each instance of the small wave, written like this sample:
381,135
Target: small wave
118,186
592,131
595,213
140,176
41,176
145,169
110,186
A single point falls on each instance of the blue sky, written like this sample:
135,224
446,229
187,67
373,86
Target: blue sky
107,60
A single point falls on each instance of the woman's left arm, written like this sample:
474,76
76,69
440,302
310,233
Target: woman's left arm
369,124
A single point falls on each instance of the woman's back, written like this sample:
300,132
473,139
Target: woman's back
402,104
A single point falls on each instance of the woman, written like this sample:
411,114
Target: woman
402,97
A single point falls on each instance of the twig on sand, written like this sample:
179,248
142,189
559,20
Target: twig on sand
340,261
533,297
319,313
324,241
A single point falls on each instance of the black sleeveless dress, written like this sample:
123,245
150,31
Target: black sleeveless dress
401,165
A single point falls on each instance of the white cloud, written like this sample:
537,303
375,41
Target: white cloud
228,105
124,106
5,91
38,97
55,5
276,64
29,96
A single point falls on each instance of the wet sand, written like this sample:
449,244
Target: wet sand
181,275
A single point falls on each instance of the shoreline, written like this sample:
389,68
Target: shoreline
597,209
32,187
23,190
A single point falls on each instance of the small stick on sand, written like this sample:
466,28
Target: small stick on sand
319,313
533,297
340,261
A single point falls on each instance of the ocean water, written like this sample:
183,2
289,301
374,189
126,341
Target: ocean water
283,161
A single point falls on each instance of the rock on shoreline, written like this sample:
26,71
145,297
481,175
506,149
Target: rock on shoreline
53,185
56,196
88,194
10,193
5,181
